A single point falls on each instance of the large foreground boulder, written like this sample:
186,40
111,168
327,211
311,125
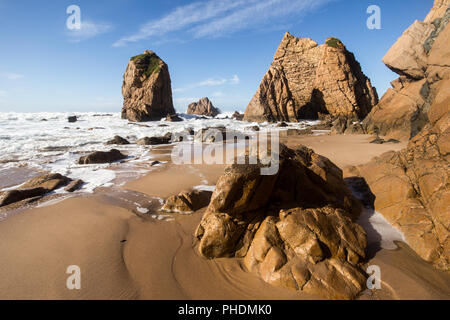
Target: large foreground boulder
314,250
74,185
408,56
420,56
295,228
307,80
146,89
203,107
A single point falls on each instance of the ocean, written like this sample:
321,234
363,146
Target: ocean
33,143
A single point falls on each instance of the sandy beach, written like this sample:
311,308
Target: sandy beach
124,254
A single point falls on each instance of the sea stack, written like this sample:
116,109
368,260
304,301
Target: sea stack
307,80
203,107
146,89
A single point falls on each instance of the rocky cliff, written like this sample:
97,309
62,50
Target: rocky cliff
306,80
203,107
412,187
421,58
146,89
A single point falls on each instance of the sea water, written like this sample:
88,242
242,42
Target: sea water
47,142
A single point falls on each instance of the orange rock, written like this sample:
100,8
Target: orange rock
306,80
316,237
146,89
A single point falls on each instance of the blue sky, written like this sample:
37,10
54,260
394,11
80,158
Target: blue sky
215,48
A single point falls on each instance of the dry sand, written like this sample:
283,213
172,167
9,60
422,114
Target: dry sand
344,150
123,255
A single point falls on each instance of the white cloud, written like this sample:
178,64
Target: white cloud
89,29
235,79
216,18
2,93
211,82
12,76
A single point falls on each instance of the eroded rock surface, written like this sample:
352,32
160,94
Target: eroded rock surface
187,202
118,140
102,157
307,80
203,107
49,182
13,196
412,187
315,250
420,56
147,89
74,185
150,141
298,219
34,188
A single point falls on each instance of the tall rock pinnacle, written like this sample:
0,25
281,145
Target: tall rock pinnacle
146,89
306,80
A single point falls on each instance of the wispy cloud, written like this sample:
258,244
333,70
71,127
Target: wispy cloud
211,82
2,93
217,18
88,30
254,15
182,17
12,76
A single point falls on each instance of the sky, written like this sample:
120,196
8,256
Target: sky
215,48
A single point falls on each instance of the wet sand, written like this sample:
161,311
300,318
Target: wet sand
125,255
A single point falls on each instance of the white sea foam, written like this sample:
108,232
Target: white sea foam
380,230
142,210
205,187
55,145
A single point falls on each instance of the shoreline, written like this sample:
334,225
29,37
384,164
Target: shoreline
126,254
